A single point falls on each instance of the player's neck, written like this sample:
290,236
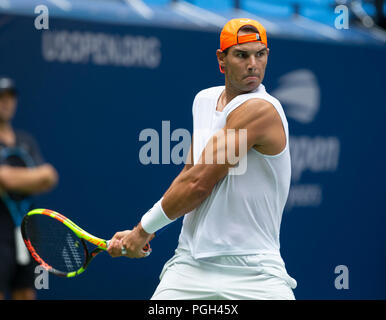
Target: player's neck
227,96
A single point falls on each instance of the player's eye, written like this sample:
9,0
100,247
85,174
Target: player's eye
241,55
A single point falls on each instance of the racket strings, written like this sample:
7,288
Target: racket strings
55,243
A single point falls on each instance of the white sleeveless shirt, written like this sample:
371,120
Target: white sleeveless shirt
243,213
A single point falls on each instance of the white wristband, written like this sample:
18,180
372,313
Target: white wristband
155,218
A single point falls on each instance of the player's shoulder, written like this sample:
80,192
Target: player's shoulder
258,104
205,96
269,97
263,100
264,106
209,92
253,108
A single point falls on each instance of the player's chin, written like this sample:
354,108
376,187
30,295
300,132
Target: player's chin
251,85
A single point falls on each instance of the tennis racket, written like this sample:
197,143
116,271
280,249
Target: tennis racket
59,245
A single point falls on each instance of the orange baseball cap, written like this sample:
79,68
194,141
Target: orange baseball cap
229,38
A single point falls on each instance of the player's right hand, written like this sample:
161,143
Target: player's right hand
115,245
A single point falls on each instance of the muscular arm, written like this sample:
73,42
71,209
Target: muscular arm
264,132
187,167
28,180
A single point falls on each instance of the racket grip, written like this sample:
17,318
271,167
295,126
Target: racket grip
146,249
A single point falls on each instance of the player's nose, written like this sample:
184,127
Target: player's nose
252,64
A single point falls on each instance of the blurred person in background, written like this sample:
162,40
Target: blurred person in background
17,183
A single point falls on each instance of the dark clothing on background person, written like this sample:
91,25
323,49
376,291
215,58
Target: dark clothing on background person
12,275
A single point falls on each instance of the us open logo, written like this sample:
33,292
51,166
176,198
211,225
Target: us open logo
300,94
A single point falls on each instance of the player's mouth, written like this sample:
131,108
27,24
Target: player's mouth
251,78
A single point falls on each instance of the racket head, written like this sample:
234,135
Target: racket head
58,244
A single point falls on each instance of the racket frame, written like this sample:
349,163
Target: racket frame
101,244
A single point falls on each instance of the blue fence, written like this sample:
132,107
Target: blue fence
89,89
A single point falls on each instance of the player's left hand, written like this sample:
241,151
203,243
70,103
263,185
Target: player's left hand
115,245
133,241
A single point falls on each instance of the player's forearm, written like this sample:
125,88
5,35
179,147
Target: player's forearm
28,180
186,193
191,187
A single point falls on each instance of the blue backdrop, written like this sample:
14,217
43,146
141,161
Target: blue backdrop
88,89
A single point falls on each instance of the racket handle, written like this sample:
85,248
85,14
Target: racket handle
146,249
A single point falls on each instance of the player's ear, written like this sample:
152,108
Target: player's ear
221,60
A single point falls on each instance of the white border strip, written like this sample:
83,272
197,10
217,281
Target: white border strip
141,8
377,33
318,27
268,25
5,4
198,15
62,4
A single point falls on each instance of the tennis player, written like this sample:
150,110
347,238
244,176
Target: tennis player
17,278
229,244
